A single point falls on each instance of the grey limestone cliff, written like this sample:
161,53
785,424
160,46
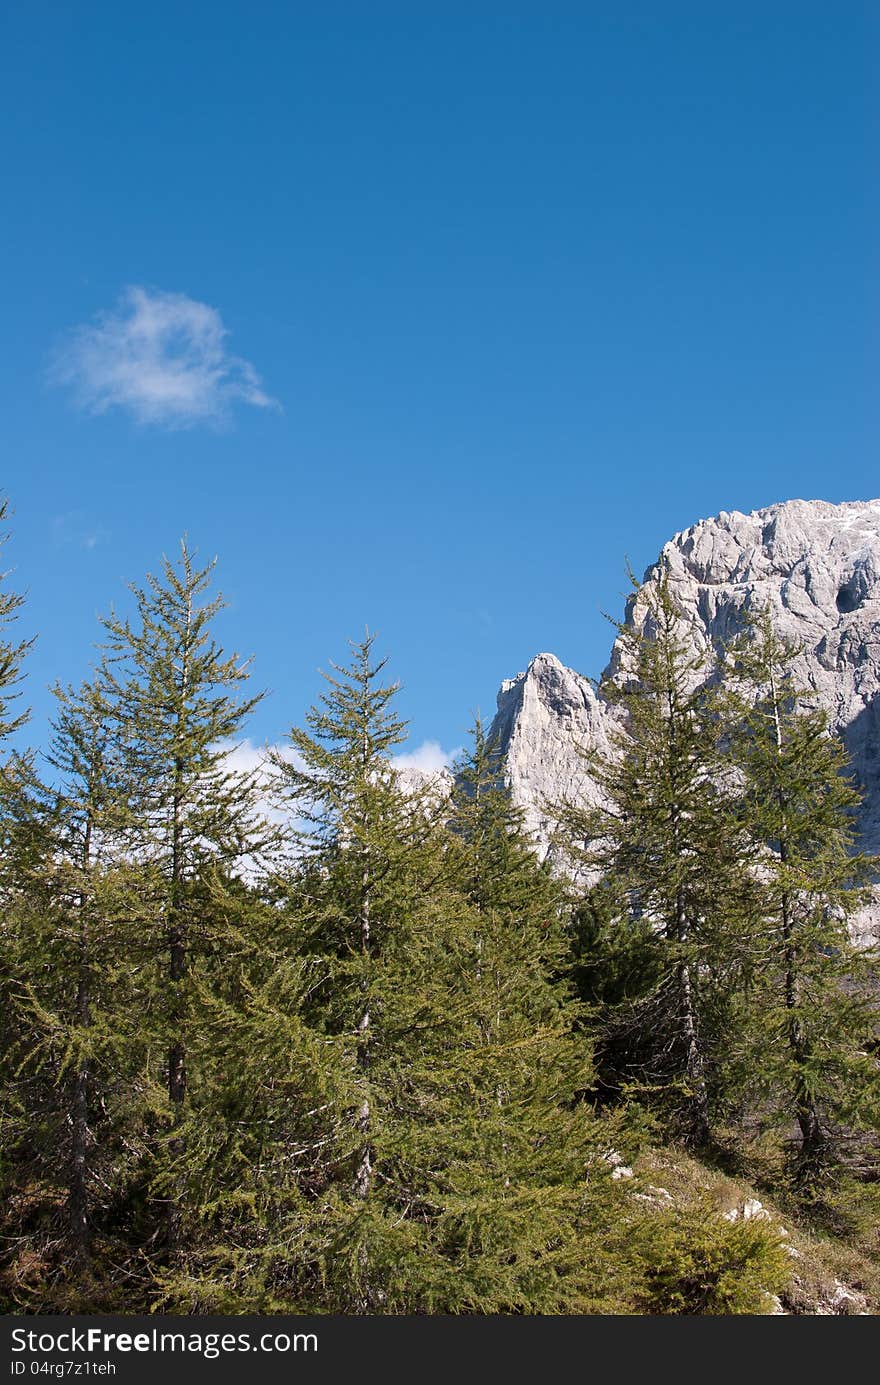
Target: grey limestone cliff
814,564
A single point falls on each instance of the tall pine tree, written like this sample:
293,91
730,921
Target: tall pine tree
74,945
178,703
465,1173
813,1005
666,840
19,850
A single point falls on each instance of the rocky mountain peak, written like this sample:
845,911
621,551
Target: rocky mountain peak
813,564
543,715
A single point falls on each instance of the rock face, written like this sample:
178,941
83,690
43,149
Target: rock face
543,716
815,565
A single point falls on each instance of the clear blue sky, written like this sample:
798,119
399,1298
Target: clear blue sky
532,286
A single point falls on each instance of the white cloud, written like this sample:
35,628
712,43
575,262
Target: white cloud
245,758
161,356
429,757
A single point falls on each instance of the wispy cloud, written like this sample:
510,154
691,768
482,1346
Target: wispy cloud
77,527
161,356
429,758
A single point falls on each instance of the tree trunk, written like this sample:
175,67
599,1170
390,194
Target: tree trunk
78,1200
177,960
78,1194
363,1180
699,1126
812,1137
695,1073
364,1175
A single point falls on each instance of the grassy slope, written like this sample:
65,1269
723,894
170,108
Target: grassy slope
832,1270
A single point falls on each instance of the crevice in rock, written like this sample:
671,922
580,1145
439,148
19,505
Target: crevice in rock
849,598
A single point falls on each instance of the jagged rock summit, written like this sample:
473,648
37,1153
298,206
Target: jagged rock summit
544,717
814,564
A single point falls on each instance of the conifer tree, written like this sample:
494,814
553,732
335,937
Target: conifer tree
274,1116
16,767
666,839
367,857
177,703
813,1003
460,1172
84,819
348,794
519,906
80,754
502,870
12,652
532,1062
16,856
73,946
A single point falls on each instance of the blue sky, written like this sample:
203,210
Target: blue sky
510,293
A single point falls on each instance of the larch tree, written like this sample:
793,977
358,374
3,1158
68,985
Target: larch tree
366,853
540,1202
12,652
466,1175
74,948
178,703
667,840
812,1056
20,1092
85,816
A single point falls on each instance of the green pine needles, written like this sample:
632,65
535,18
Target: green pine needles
810,1013
722,878
319,1037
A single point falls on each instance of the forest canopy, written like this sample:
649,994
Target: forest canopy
318,1038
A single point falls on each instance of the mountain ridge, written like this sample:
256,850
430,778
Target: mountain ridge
814,564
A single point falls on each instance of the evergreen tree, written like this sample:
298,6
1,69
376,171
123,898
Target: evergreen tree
666,840
501,868
533,1062
17,850
12,652
519,909
354,1077
617,962
72,948
362,823
265,1095
16,767
452,1167
177,703
86,814
813,1003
